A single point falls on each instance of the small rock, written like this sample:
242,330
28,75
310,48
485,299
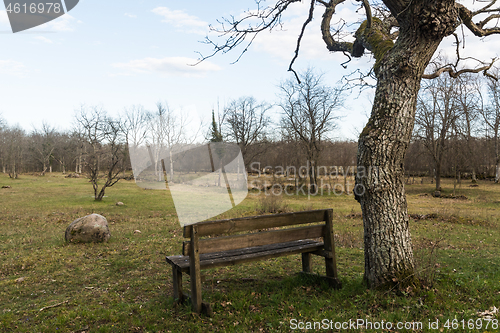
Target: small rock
91,228
21,279
437,194
137,231
119,203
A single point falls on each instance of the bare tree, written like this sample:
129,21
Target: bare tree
437,113
246,124
134,125
66,149
491,116
469,103
43,145
14,145
105,148
167,130
309,114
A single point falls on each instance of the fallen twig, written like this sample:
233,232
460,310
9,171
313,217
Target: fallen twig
53,306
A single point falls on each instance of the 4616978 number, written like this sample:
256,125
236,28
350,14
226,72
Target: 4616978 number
471,324
40,8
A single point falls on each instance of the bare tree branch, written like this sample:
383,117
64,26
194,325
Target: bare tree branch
451,70
331,44
269,17
477,29
485,9
309,19
488,19
368,12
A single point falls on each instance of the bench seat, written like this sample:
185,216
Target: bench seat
239,256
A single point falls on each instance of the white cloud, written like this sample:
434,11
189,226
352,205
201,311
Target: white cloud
44,39
182,21
131,15
179,66
12,67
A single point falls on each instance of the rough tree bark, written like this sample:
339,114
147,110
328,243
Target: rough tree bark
381,150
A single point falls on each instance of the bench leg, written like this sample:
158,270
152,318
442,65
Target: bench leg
331,273
306,262
194,271
330,261
196,292
331,270
177,280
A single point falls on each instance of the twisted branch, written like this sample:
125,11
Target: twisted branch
478,29
452,72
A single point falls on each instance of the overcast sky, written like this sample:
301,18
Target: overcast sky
122,53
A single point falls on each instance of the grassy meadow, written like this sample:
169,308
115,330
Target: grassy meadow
125,285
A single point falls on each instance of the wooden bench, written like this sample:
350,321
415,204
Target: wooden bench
235,241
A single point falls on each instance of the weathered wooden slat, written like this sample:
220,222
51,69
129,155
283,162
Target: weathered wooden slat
182,262
228,261
176,260
256,222
226,243
271,247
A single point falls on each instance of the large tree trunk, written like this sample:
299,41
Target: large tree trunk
381,150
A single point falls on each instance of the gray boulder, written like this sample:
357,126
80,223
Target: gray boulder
91,228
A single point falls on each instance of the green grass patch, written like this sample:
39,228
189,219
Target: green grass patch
125,285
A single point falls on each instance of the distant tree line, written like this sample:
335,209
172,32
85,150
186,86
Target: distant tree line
456,135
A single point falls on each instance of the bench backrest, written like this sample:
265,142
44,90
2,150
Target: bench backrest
255,237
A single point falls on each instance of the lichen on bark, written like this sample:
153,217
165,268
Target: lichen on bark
374,39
